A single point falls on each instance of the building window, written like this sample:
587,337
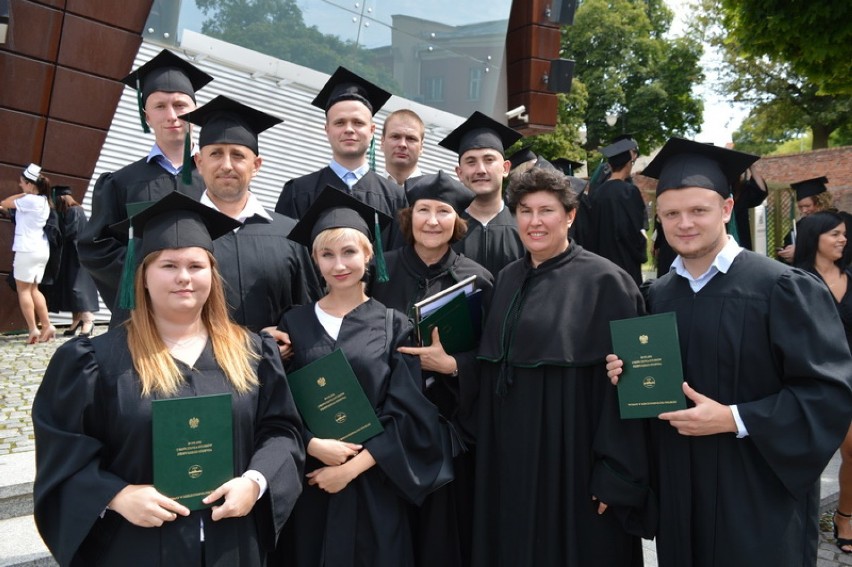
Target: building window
434,89
474,88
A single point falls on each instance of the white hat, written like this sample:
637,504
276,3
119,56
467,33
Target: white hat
32,172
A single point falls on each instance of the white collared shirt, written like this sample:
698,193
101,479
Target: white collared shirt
252,208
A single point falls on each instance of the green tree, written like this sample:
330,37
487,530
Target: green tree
813,37
277,28
631,68
564,140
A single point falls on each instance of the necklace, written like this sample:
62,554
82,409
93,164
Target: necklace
184,343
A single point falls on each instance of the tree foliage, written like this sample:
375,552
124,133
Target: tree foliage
631,68
813,37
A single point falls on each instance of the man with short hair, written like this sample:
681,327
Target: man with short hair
617,219
166,86
402,144
349,102
265,273
492,235
767,376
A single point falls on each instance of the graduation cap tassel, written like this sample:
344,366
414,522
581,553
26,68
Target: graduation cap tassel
141,108
381,267
372,154
186,168
127,297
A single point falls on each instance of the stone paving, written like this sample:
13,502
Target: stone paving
22,367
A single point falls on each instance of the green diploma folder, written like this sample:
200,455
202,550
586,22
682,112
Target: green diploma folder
331,400
193,446
652,376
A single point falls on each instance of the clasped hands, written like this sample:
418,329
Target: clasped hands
706,417
338,456
142,505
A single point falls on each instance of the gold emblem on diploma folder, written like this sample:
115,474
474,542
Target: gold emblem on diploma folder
194,422
643,339
321,381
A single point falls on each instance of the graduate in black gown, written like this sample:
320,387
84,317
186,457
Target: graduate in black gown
560,478
618,217
265,273
166,86
349,103
93,494
423,267
355,506
492,237
766,379
821,248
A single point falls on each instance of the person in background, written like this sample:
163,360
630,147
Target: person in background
94,502
492,239
812,196
166,87
74,289
560,478
402,144
767,381
821,246
355,507
421,268
350,102
32,252
749,192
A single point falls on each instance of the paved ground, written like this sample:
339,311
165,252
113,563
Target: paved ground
22,366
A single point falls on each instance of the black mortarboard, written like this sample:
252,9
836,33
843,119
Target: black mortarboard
175,221
618,153
480,131
565,165
626,136
168,73
684,163
809,187
521,156
226,121
542,163
440,187
346,85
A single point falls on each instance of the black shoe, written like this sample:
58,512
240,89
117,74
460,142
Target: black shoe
71,331
841,542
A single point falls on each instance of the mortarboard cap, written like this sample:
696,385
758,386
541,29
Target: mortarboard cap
542,163
684,163
335,209
626,136
618,153
480,131
32,172
175,221
168,73
439,187
521,156
809,187
60,190
226,121
346,85
566,166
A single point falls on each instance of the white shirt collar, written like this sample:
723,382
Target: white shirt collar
252,208
721,263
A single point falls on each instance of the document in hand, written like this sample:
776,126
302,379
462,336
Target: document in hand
652,377
331,400
456,311
193,446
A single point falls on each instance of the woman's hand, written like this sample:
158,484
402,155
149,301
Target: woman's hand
285,348
240,495
331,479
614,367
143,506
433,358
331,451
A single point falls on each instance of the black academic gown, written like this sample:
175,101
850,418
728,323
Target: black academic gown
367,523
101,252
93,437
617,219
74,290
386,196
550,437
762,336
265,273
493,245
749,197
443,524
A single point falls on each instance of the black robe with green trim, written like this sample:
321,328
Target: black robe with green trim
767,338
444,522
93,438
367,523
550,437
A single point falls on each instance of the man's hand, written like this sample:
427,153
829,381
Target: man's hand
143,506
708,417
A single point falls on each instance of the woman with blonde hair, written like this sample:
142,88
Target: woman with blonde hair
94,499
32,251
